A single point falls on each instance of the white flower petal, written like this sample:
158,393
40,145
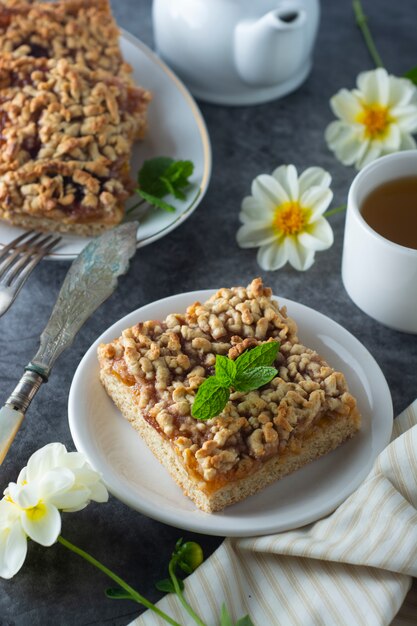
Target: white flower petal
373,152
74,500
347,142
406,117
317,199
268,192
374,86
9,513
99,493
254,234
44,459
253,211
25,496
273,256
286,176
73,460
42,523
319,237
346,105
22,476
407,142
391,141
13,549
402,91
314,177
55,482
299,257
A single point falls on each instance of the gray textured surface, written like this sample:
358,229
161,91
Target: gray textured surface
56,587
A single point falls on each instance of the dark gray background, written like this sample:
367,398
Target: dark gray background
56,587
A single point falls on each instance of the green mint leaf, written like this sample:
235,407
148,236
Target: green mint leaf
210,400
179,172
116,593
167,586
155,201
244,621
225,619
225,370
412,75
149,176
254,378
264,354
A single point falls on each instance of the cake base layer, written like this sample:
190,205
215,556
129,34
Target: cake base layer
329,433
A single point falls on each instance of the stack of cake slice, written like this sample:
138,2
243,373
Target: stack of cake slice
153,373
69,115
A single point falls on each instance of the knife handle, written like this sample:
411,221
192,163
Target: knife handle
12,414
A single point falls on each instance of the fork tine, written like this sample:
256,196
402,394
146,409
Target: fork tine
14,243
15,253
18,273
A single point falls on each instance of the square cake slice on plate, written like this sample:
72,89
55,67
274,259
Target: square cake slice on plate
66,135
153,373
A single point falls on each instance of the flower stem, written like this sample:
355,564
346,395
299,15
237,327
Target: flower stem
187,607
338,209
134,594
362,22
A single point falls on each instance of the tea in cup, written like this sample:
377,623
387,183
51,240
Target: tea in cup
379,265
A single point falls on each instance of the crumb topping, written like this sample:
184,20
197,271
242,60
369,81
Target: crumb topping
66,135
80,30
167,361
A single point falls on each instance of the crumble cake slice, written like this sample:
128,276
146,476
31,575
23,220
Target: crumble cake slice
66,135
84,197
153,372
53,109
82,31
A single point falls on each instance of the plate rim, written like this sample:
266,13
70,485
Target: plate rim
205,141
186,520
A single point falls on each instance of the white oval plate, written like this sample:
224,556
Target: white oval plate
133,475
176,129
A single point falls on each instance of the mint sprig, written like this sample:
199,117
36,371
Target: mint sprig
249,371
163,176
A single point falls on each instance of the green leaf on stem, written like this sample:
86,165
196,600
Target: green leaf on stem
263,355
244,621
225,619
116,593
210,400
167,586
149,176
189,556
254,378
225,370
156,201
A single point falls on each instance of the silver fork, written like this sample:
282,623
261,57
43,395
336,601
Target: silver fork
17,261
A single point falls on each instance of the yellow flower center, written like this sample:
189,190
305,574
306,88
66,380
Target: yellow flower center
289,218
37,512
376,120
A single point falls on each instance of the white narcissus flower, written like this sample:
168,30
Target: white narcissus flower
284,217
377,118
53,479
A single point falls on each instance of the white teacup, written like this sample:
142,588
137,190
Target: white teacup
379,275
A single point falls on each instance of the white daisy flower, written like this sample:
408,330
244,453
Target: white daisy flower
53,480
284,217
377,118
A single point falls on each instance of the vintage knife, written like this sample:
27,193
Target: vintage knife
91,279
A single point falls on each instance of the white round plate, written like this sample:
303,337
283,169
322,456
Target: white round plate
176,129
133,475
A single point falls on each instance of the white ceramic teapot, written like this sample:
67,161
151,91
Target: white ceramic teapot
237,51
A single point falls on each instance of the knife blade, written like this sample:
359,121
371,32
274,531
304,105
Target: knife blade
91,279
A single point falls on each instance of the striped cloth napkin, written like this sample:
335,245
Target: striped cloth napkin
352,568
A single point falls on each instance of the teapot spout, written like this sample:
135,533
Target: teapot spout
273,48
